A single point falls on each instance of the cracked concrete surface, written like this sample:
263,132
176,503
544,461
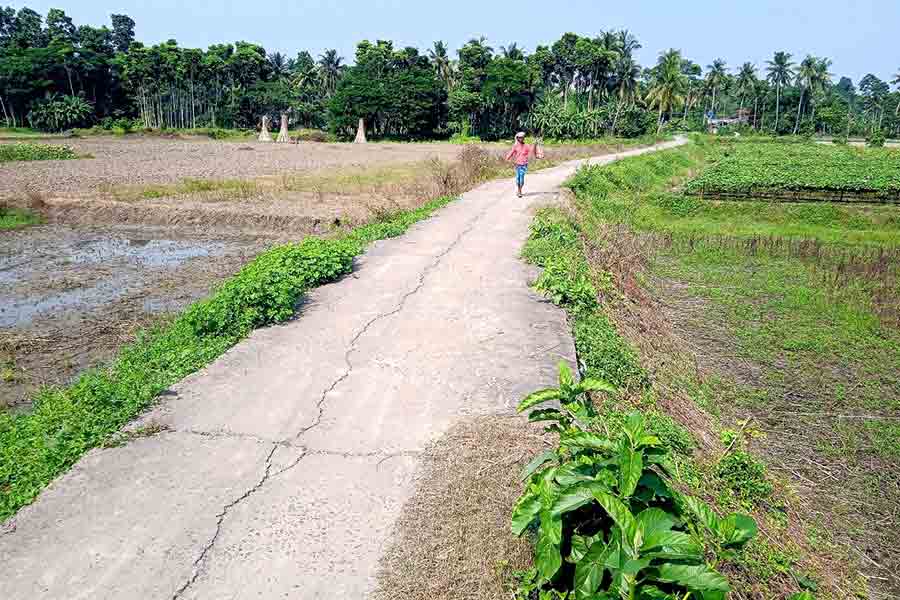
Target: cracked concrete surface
285,463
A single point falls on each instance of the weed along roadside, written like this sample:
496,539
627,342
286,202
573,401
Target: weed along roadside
604,253
68,421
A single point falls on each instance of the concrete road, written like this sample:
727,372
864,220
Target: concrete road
286,462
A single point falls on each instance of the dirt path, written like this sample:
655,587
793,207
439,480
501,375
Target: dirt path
282,467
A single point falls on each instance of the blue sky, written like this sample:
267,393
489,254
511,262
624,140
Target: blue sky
860,36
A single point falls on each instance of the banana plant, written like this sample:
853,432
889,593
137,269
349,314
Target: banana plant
605,521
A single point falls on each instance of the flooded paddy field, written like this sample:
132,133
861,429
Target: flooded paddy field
70,296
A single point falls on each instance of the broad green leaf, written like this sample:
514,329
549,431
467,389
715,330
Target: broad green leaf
576,496
547,488
653,520
589,384
618,512
589,441
538,461
581,544
565,375
545,414
656,484
547,556
714,595
631,466
538,398
526,510
651,592
702,511
737,529
672,545
632,567
693,577
634,427
648,440
572,473
589,570
806,595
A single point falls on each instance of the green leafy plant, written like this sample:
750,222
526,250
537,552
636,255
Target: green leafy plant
756,167
57,113
566,281
605,520
31,151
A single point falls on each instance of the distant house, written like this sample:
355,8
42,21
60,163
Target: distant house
742,117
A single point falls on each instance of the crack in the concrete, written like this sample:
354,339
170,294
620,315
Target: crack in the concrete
226,434
351,348
220,518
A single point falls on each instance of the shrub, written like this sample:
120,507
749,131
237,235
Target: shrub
604,518
744,476
605,354
876,139
30,151
58,113
840,140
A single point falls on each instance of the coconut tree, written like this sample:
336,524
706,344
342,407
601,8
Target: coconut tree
443,65
896,81
715,77
820,83
693,72
330,67
278,63
746,79
627,74
668,87
760,91
805,79
781,71
512,52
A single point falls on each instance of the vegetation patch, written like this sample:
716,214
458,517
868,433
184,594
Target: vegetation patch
721,450
67,421
21,151
747,168
14,218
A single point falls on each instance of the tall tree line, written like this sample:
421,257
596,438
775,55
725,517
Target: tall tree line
56,75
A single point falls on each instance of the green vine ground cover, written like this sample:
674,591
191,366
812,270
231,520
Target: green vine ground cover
14,218
67,421
23,151
752,167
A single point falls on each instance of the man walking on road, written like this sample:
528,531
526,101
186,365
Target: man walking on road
521,153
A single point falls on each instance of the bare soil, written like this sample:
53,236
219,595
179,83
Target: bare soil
137,161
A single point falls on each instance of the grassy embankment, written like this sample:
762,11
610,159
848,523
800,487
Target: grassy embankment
752,334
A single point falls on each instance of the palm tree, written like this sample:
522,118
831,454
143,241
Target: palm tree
781,71
512,52
330,68
693,72
279,64
760,90
717,72
896,81
746,79
805,78
820,83
443,65
668,86
627,73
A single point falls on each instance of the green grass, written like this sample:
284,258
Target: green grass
24,151
746,167
14,218
20,132
68,421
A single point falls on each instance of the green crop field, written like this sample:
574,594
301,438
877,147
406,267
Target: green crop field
754,167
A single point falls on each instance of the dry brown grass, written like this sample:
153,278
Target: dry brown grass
453,539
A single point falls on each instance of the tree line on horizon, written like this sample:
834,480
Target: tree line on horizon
55,76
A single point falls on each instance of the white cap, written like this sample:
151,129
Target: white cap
520,134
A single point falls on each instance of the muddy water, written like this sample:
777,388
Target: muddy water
80,270
70,296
